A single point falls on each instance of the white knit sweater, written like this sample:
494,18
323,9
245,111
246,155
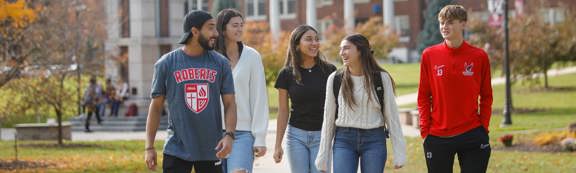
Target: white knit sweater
251,95
364,116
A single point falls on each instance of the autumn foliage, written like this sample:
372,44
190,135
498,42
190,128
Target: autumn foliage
380,37
535,45
258,36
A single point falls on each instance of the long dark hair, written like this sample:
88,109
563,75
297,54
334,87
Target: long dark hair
222,20
294,55
369,67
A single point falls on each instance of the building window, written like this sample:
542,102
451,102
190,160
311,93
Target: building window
162,18
552,15
287,8
199,4
361,1
124,18
255,9
123,63
322,3
325,25
186,7
403,27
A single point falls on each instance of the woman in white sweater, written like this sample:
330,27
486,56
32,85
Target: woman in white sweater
355,127
250,91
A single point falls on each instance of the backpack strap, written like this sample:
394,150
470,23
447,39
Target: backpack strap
336,83
379,88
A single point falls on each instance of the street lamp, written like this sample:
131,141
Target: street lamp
508,102
79,8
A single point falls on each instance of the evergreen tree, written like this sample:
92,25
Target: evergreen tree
219,5
430,34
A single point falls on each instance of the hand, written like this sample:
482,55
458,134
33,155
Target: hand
278,154
224,147
150,158
398,166
259,151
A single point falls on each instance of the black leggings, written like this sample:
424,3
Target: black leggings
472,147
173,164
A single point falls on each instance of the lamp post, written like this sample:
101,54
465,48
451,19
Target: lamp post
508,102
79,7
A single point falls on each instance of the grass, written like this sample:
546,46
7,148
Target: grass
109,156
406,77
548,110
500,161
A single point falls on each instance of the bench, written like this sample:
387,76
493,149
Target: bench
409,117
42,131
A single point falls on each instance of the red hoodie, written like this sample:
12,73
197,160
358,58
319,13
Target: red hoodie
451,79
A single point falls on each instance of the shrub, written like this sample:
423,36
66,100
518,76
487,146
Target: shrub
569,144
506,140
552,137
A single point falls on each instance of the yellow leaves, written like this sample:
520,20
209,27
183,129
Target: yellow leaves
552,137
17,13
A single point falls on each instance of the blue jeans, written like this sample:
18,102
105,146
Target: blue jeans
366,145
302,148
242,155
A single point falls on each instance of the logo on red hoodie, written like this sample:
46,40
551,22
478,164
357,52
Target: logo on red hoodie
468,69
439,70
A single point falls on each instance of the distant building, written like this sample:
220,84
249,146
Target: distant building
140,31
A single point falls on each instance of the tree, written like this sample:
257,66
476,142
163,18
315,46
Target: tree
63,37
258,35
430,35
547,44
15,20
382,41
68,36
219,5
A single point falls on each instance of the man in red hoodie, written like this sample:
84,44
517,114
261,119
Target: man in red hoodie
455,99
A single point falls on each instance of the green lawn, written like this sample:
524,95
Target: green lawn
551,111
109,156
406,77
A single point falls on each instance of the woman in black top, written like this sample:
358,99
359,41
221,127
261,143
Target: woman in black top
303,80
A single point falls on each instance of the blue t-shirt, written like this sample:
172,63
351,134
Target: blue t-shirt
192,87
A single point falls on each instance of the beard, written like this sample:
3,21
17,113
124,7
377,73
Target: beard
205,43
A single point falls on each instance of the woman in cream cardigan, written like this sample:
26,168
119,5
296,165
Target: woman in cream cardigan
355,128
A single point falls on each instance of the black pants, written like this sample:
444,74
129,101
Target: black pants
172,164
89,117
472,147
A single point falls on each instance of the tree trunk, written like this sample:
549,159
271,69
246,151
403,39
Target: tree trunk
546,78
59,118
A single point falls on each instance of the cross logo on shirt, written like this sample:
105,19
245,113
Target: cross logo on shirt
197,96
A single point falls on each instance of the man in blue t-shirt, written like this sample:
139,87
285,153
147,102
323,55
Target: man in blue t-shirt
193,79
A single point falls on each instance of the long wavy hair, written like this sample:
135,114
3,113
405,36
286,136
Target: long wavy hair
294,55
222,20
369,67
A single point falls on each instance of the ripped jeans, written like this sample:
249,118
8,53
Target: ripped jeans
242,155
